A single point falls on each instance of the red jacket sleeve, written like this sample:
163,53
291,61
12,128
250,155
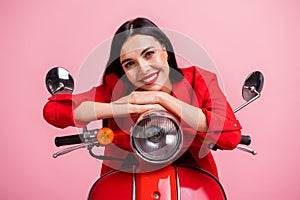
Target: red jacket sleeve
223,128
58,111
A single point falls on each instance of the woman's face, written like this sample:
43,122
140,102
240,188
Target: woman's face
145,63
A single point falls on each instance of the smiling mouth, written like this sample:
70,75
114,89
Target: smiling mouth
150,79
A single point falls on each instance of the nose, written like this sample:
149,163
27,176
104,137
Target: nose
144,67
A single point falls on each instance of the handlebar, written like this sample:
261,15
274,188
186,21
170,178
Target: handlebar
81,138
88,139
68,140
245,140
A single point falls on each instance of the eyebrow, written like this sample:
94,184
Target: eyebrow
145,50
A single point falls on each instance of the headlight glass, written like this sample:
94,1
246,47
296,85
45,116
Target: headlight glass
156,137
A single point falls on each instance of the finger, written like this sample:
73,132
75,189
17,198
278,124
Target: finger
122,100
143,97
157,107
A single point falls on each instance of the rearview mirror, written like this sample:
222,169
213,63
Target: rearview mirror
59,81
252,88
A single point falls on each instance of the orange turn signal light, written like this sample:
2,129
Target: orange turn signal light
105,136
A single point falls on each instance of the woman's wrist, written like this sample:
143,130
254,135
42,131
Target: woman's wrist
169,102
161,98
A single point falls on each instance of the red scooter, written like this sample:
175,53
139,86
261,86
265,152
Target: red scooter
152,170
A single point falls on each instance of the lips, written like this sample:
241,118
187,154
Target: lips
149,79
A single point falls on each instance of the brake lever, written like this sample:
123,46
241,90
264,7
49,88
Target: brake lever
246,149
69,149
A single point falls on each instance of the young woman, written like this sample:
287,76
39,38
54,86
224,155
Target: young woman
142,75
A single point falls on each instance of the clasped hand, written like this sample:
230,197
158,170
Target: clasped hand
141,101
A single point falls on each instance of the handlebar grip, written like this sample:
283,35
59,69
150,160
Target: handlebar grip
246,140
68,140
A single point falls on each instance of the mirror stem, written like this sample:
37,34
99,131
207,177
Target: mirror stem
248,102
60,87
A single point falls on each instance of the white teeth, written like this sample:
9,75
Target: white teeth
150,78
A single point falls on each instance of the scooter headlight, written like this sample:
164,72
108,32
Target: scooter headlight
156,137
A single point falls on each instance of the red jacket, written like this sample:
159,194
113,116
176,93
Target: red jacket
199,88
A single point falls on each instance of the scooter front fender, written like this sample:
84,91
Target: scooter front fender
169,183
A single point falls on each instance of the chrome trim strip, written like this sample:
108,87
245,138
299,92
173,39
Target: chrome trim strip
133,184
177,184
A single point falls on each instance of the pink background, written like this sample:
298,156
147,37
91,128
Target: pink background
240,36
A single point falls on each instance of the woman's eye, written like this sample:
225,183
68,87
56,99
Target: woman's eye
149,54
129,64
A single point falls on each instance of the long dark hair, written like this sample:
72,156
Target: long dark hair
140,26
